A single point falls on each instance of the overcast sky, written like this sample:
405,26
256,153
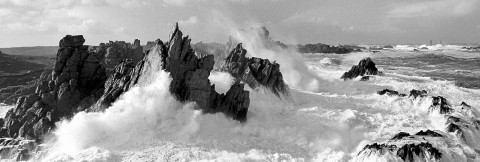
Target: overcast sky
45,22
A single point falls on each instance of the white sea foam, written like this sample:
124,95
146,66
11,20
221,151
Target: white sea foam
222,81
4,109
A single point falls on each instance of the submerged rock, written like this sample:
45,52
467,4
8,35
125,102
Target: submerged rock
440,103
390,93
324,48
417,93
365,67
254,71
189,78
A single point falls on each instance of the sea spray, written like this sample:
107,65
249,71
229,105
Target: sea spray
221,80
140,115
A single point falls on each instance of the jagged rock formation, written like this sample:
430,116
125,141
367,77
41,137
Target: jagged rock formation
113,53
190,78
254,71
323,48
365,67
73,84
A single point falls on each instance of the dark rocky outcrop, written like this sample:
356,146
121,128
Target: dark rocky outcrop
323,48
400,135
72,41
390,93
189,78
75,81
417,93
465,105
441,104
254,71
429,132
365,67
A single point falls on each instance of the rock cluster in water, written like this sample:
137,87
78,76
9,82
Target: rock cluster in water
405,147
324,48
364,68
462,126
254,71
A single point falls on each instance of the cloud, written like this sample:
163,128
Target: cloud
190,21
434,8
175,2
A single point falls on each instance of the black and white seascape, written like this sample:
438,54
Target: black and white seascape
240,80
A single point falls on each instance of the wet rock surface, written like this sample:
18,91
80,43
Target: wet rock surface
365,67
254,71
390,93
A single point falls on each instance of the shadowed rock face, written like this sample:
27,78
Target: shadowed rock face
423,150
365,67
74,84
254,71
189,78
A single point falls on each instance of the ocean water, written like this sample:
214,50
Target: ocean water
326,119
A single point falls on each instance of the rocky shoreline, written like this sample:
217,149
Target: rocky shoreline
83,79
